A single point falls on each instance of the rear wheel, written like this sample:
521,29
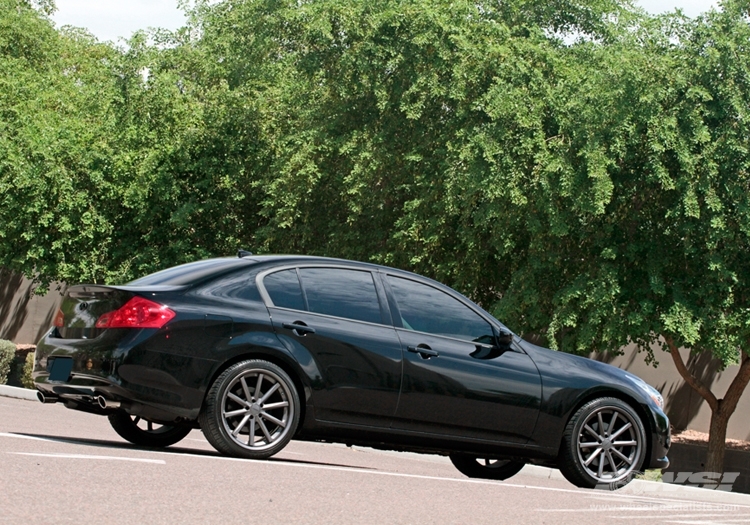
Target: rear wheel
145,433
486,468
603,446
251,410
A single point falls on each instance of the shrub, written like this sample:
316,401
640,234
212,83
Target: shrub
7,355
26,380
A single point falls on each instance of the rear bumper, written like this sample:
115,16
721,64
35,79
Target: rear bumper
123,366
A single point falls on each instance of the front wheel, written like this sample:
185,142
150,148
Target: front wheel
251,410
603,446
145,433
486,468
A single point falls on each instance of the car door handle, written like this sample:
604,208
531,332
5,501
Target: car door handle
424,351
299,328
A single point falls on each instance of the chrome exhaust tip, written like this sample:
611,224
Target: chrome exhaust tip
106,403
46,399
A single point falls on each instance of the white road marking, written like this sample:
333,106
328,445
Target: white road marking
21,436
85,456
677,517
667,508
625,498
722,522
681,517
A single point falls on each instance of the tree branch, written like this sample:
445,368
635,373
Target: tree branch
737,387
689,378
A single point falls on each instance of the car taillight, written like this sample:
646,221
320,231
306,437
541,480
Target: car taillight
138,312
59,318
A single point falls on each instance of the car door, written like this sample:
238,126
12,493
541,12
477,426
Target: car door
457,380
336,315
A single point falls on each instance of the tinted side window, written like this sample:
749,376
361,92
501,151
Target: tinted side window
284,289
343,293
427,309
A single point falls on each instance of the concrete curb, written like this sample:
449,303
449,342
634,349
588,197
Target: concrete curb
18,393
641,487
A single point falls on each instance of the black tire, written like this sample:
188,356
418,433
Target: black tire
475,467
242,427
153,435
590,457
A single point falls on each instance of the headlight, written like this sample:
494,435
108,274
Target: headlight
649,390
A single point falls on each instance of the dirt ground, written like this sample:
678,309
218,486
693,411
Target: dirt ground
693,437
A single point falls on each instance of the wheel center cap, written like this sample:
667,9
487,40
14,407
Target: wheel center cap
255,409
606,444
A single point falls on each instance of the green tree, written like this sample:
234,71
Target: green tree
643,217
54,147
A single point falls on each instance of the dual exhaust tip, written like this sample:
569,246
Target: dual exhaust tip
103,402
46,398
106,403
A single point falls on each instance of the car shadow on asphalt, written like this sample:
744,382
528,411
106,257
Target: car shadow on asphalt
103,443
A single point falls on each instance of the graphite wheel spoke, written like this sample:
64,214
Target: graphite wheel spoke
238,400
612,463
273,389
251,437
273,420
602,432
265,430
258,384
592,457
593,433
235,413
611,427
602,458
621,430
280,404
245,389
622,456
241,425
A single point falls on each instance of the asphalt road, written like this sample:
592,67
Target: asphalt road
61,466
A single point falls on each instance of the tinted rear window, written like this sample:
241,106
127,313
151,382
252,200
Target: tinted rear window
191,272
284,289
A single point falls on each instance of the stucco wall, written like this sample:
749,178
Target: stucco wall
24,316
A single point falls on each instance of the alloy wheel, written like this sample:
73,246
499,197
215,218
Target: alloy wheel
609,444
256,409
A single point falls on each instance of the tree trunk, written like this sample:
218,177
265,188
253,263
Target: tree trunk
716,442
721,409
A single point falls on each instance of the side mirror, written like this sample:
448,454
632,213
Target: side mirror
504,339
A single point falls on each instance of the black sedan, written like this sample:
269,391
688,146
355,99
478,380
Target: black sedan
259,350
